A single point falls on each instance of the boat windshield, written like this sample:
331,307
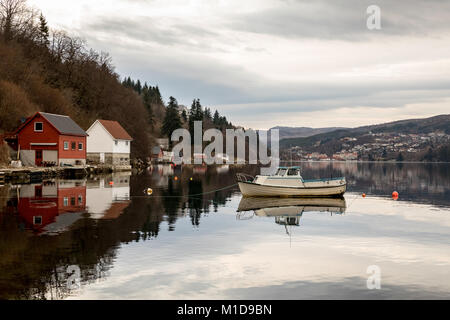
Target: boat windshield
281,172
293,172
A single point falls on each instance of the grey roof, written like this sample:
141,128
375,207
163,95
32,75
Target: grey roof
64,124
156,150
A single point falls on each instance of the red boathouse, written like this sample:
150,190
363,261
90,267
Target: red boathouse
47,139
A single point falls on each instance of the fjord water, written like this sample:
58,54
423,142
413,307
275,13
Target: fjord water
187,240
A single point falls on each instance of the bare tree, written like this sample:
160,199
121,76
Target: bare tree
10,10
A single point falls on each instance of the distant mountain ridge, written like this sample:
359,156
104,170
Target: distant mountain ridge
410,126
302,132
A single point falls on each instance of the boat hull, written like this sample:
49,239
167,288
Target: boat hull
249,189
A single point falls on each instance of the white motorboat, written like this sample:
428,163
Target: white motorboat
288,182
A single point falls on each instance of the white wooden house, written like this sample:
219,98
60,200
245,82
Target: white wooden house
108,143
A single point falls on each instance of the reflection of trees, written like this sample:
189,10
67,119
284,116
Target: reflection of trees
171,202
195,201
192,190
34,267
150,229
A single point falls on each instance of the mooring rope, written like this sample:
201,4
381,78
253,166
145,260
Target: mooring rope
187,196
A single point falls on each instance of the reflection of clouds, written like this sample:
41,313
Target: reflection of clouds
436,218
328,257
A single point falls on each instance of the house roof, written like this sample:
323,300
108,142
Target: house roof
63,124
115,210
115,129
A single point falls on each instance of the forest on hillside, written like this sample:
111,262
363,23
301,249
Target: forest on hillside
50,71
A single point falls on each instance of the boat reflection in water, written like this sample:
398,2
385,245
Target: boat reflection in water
288,211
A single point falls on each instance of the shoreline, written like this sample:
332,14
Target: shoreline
34,174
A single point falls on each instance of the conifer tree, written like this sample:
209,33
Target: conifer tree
138,87
207,114
184,116
216,118
43,31
172,119
148,105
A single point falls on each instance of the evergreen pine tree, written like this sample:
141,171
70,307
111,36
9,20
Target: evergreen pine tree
198,111
146,97
207,114
43,31
172,119
192,117
216,118
138,87
184,116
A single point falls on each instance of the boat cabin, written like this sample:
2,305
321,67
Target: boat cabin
288,172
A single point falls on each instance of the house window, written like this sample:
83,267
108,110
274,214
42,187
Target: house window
38,127
80,199
126,142
117,142
37,220
80,146
72,201
66,145
74,145
38,191
66,202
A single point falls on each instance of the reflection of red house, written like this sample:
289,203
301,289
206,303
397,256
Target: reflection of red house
40,206
50,139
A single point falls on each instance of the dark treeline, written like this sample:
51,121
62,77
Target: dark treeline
48,70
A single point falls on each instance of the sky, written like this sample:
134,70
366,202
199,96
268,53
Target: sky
266,63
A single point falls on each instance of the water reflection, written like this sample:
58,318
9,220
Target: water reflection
418,182
190,219
288,211
49,226
50,207
107,197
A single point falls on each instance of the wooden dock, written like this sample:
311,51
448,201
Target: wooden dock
37,174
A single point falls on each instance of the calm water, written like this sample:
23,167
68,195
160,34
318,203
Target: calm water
188,240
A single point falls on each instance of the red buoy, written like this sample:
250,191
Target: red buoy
363,195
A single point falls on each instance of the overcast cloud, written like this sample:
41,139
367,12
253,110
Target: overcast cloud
274,62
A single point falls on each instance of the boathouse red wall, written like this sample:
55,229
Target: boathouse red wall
28,138
27,135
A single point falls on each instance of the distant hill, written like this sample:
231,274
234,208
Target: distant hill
411,126
302,132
